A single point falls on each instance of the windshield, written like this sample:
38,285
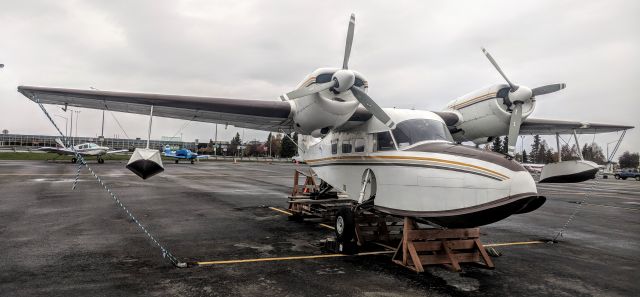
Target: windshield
413,131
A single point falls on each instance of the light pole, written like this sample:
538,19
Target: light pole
66,127
77,117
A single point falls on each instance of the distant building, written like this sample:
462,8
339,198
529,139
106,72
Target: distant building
20,141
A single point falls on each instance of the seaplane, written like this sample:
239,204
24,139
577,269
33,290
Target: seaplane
400,162
83,149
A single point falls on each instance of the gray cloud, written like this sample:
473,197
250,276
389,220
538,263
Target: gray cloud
414,53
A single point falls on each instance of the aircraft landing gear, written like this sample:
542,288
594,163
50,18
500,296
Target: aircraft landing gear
100,161
346,231
74,160
192,162
176,161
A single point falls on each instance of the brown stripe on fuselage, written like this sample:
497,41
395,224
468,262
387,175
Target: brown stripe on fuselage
411,158
469,152
473,101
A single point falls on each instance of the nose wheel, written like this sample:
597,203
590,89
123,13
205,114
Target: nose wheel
100,161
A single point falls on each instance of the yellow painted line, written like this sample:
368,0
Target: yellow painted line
327,226
513,243
280,210
288,258
239,261
290,214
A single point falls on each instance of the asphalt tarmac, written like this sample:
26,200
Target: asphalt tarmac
62,242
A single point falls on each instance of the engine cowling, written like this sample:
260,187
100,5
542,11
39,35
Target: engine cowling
317,113
486,113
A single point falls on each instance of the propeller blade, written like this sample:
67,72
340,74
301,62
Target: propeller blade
514,128
347,47
316,88
548,89
495,64
372,107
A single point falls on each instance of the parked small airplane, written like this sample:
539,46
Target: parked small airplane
401,162
182,154
84,149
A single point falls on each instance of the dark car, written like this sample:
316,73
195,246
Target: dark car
628,173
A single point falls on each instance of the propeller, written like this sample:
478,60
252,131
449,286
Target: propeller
343,80
516,97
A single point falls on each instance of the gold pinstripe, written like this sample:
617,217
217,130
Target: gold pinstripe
473,101
428,159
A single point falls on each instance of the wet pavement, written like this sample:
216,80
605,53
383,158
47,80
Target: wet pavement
62,242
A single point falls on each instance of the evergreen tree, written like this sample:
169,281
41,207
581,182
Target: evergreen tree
567,153
548,156
269,145
288,149
525,157
593,152
505,145
535,149
234,144
629,160
496,145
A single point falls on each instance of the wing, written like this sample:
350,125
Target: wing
117,152
53,150
203,156
532,126
244,113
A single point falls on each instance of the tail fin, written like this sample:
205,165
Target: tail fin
59,142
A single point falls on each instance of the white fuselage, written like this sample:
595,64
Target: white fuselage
424,179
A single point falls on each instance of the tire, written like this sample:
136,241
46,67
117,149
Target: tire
100,161
617,176
624,178
345,231
192,162
74,160
176,161
638,178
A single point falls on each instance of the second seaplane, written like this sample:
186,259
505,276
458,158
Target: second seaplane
401,162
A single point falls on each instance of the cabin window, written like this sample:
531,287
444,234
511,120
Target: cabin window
359,145
413,131
346,147
334,146
385,142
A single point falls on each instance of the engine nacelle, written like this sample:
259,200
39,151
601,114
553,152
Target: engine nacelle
486,113
316,114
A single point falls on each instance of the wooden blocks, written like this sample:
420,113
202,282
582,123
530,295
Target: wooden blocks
450,247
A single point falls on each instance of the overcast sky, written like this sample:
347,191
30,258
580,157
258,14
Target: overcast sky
415,54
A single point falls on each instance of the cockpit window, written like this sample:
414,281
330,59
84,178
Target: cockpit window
384,141
413,131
